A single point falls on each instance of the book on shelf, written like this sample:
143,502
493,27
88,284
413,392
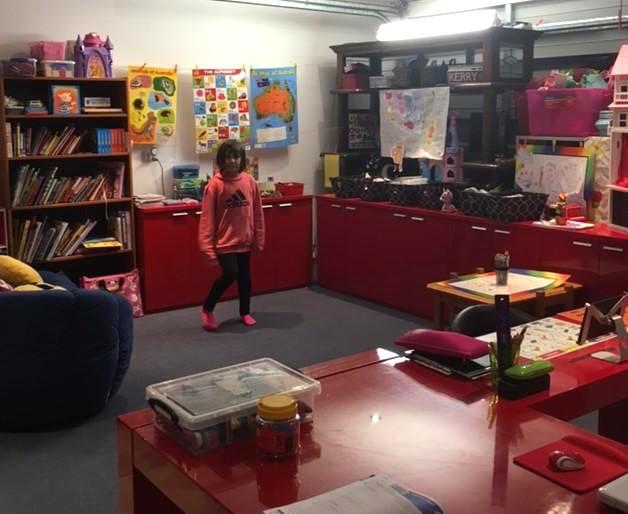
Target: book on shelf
120,228
45,186
9,139
109,140
41,239
101,244
102,110
43,141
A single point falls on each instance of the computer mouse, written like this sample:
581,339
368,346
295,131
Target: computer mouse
566,461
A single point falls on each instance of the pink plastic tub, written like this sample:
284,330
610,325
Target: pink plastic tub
566,112
48,50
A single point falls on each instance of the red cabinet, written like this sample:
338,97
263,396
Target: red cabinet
174,274
613,267
575,254
347,240
523,245
472,246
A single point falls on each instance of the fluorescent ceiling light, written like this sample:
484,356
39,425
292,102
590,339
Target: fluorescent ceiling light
431,26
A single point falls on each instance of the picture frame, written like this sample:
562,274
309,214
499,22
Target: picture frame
362,130
65,99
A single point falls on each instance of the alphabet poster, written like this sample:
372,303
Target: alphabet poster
415,119
221,108
275,119
152,96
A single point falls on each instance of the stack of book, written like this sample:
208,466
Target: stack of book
42,186
109,140
43,141
120,228
40,240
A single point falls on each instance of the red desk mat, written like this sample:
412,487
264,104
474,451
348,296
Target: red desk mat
603,463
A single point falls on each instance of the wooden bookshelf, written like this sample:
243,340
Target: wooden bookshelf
83,163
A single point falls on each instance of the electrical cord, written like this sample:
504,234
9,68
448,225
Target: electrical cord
163,186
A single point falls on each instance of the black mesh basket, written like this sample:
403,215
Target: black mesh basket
346,187
474,204
518,207
405,194
374,191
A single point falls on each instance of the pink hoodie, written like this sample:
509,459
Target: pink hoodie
231,218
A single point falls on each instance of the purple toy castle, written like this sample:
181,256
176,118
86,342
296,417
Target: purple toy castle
93,56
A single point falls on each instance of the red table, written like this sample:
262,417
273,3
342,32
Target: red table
435,434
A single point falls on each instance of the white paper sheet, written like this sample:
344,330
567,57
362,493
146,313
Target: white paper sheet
517,283
374,495
415,118
552,174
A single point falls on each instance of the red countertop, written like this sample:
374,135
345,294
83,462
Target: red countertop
270,200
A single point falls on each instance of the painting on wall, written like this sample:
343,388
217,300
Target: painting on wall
152,94
542,169
415,120
221,108
274,115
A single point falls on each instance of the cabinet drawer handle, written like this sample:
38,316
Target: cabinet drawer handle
505,232
481,229
580,243
351,208
336,206
397,215
416,218
613,249
176,214
267,206
198,213
285,205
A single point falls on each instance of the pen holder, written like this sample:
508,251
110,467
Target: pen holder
502,276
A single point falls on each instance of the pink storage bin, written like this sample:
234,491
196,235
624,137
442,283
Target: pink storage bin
566,112
48,50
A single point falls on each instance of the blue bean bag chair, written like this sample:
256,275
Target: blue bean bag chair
63,354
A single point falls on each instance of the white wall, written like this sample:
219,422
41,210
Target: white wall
203,33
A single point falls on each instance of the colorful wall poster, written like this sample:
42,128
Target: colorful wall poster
152,96
274,114
221,108
415,119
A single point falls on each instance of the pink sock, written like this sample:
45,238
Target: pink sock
208,320
248,320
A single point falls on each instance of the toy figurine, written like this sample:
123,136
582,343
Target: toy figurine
447,198
93,56
561,214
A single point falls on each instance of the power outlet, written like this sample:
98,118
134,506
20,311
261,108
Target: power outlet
150,154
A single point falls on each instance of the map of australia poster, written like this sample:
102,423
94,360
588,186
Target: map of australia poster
274,117
221,108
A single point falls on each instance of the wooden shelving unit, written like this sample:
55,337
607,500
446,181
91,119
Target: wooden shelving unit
490,48
84,162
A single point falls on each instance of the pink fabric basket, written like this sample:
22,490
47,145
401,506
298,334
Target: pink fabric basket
48,50
566,112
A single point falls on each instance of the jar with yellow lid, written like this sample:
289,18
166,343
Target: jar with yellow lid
277,426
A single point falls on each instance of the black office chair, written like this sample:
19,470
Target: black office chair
478,320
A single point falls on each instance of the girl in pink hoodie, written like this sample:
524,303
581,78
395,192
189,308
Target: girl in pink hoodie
231,228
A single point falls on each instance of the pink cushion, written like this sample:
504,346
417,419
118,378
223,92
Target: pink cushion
449,344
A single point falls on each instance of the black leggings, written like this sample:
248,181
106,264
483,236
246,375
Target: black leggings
234,266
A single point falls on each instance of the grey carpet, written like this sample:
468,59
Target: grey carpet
73,471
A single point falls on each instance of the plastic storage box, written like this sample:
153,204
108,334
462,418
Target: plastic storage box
56,68
566,112
20,67
212,409
48,50
289,188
